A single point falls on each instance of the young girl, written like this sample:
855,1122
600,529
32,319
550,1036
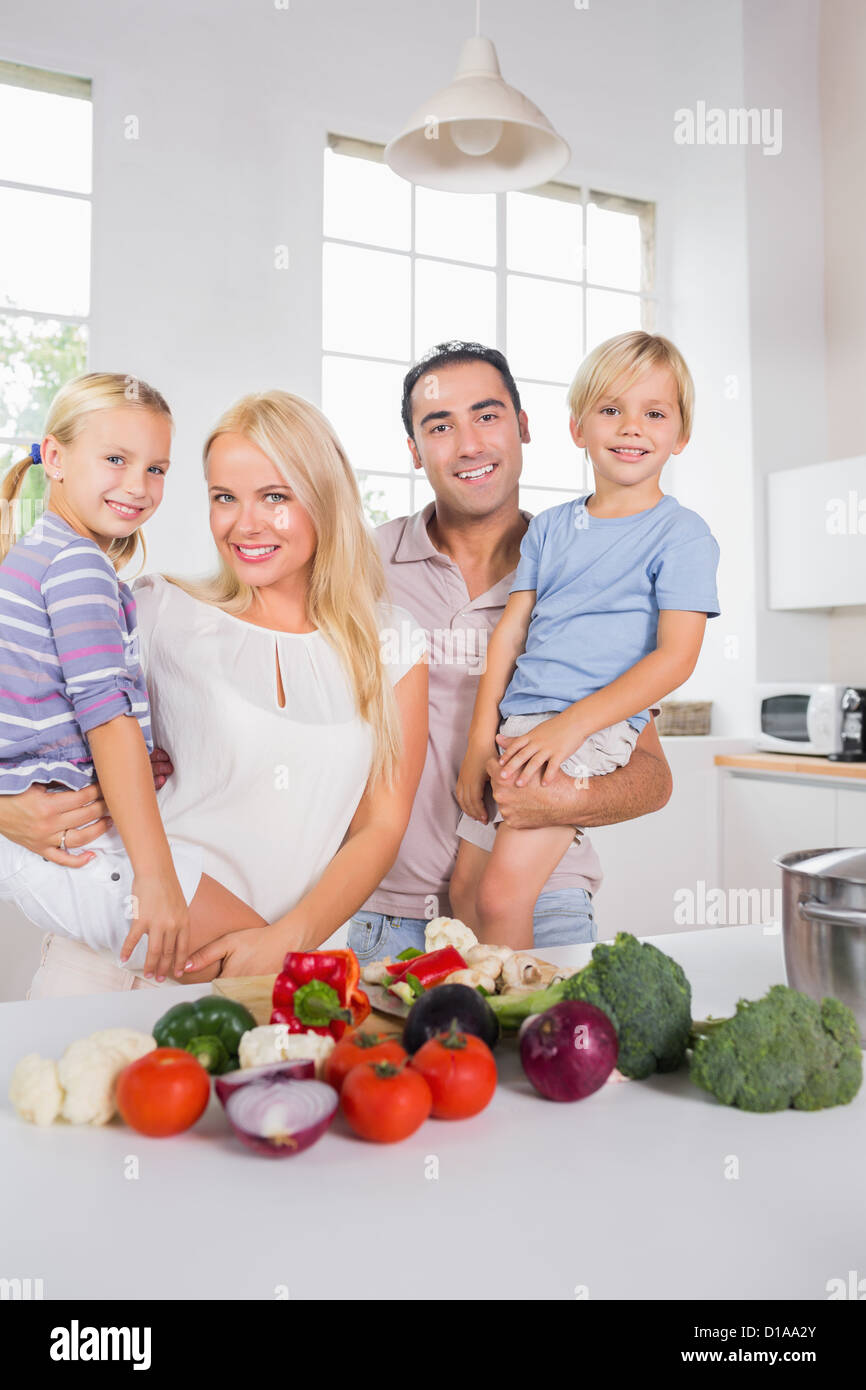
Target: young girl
606,616
73,701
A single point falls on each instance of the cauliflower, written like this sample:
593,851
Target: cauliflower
35,1090
89,1068
272,1042
80,1087
449,931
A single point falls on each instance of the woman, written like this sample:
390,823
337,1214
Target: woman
296,749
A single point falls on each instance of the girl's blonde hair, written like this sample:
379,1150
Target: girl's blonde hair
67,416
348,578
629,355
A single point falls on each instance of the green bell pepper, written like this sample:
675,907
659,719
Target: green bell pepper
224,1020
211,1053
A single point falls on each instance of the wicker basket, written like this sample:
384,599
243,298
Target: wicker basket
680,717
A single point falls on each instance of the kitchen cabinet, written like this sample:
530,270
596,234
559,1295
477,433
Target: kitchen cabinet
764,815
851,816
816,535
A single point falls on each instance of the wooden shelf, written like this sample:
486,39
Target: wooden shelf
792,763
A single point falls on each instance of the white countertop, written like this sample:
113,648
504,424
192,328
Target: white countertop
624,1192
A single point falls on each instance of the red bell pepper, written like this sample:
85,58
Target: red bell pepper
430,969
317,992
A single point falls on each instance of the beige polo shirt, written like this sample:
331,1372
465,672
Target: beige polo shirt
431,586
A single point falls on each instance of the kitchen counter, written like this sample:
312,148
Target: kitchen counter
628,1193
800,765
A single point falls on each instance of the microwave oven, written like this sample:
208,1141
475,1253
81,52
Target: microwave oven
822,720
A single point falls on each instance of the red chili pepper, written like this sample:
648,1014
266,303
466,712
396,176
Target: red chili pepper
320,985
430,969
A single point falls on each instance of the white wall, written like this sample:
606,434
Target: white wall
705,214
843,122
786,255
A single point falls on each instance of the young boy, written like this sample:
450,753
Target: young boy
605,618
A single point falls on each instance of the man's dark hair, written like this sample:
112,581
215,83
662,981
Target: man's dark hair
448,355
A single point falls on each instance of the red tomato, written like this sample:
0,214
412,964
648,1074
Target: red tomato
460,1072
356,1047
164,1092
384,1103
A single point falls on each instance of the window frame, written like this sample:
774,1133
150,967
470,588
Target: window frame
58,84
584,195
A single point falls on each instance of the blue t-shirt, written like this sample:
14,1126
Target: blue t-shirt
600,582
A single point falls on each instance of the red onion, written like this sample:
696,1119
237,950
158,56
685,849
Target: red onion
299,1070
280,1116
568,1051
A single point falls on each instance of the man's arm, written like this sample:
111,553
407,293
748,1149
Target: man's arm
643,785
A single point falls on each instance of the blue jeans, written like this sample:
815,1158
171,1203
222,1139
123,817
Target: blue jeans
563,918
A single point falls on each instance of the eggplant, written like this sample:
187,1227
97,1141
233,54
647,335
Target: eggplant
434,1011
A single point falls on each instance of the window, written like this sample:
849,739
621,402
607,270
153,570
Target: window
544,276
45,197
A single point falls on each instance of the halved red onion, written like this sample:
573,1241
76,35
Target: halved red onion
298,1070
279,1116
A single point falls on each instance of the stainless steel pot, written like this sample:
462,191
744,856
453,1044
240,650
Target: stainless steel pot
824,925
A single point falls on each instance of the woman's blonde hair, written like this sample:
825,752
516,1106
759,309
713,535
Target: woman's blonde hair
67,416
347,579
629,355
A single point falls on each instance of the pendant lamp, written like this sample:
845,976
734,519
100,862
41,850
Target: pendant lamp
478,135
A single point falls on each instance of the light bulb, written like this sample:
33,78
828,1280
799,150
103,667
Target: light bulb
476,137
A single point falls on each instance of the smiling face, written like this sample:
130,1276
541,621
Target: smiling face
110,480
468,439
260,528
632,432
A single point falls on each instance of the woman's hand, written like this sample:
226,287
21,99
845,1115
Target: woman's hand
256,951
37,819
162,767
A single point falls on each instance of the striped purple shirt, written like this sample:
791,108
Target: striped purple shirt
68,656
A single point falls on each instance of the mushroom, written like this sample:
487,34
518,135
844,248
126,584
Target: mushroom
376,972
522,969
481,958
474,978
484,952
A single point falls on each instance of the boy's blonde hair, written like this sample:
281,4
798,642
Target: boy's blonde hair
629,355
67,416
347,578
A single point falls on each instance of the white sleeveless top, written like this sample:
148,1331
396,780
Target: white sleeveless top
268,792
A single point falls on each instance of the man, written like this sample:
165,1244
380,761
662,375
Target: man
452,565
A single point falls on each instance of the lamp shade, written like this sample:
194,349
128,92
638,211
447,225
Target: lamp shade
478,135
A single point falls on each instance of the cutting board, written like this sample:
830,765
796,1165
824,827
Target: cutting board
256,992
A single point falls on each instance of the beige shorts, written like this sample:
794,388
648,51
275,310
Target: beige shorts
603,752
69,967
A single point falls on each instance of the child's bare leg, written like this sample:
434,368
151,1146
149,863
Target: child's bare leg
520,864
213,912
463,888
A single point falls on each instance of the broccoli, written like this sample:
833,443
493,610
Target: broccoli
644,993
780,1051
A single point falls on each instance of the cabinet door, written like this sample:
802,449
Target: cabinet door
763,818
851,816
